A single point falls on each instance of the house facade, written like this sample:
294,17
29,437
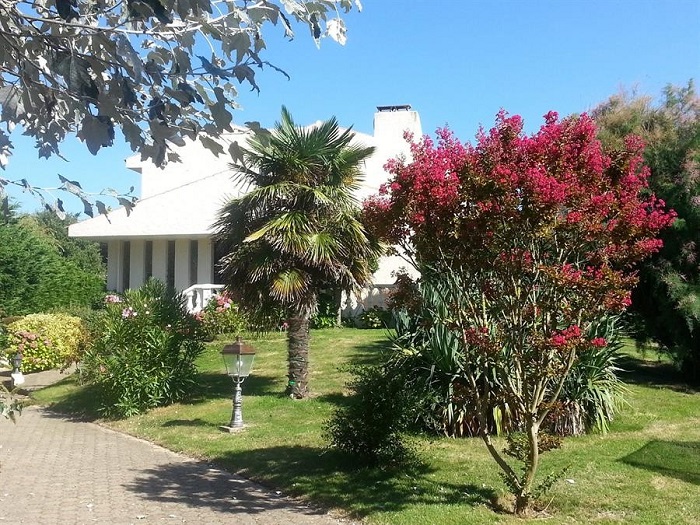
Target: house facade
168,234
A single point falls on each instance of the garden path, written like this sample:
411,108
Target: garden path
54,470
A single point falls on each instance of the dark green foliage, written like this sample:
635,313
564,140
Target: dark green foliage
593,392
41,269
426,354
326,315
375,317
145,352
370,427
666,297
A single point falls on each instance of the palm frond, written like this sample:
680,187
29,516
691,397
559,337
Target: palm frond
289,286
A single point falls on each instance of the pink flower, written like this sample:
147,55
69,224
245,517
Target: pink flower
128,312
599,342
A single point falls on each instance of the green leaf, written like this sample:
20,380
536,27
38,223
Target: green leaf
96,132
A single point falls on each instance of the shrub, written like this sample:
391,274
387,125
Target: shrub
327,313
375,317
221,316
36,277
144,354
46,341
593,392
370,428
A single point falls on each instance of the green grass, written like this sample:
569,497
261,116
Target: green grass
646,470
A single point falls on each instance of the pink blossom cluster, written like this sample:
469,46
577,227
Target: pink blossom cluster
223,302
112,299
129,312
566,336
553,205
29,340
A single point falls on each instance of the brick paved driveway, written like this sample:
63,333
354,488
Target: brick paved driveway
57,471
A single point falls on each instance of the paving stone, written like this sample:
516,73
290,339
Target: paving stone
57,471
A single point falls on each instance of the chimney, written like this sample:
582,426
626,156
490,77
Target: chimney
390,123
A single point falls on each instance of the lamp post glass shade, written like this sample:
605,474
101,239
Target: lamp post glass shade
238,358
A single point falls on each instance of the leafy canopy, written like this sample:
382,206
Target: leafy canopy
160,71
670,282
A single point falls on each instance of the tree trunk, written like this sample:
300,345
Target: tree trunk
298,356
522,500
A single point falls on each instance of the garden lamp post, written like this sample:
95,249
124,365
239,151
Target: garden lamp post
16,375
238,358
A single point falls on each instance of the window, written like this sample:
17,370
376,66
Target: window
194,256
170,272
126,264
148,260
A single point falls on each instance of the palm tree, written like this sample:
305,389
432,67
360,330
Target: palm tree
297,231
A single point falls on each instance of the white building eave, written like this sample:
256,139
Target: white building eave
189,210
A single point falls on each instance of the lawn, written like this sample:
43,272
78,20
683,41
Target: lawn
646,470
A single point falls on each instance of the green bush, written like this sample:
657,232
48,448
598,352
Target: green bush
327,313
221,316
375,317
370,428
46,341
37,275
144,354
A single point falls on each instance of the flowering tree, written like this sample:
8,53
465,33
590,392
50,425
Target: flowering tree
531,241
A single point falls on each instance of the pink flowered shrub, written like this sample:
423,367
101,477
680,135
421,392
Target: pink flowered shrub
528,242
221,316
143,352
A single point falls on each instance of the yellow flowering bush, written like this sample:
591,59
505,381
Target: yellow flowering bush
46,341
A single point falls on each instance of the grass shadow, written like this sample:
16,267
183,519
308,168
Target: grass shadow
370,354
71,400
327,478
333,479
677,459
220,386
197,485
189,423
654,373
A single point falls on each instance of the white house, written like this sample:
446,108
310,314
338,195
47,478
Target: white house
168,233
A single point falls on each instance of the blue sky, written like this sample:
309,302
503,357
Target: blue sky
457,62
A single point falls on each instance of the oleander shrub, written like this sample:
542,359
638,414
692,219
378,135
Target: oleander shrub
144,353
46,341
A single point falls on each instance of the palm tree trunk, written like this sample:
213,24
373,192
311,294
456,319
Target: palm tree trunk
298,356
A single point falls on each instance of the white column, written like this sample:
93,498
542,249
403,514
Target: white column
160,259
182,264
137,269
114,265
205,267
